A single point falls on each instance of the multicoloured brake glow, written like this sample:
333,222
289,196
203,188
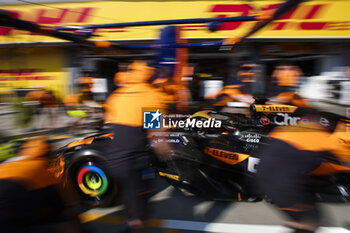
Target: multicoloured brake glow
92,181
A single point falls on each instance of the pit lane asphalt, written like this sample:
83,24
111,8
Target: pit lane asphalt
172,211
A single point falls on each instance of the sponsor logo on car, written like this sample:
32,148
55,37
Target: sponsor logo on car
264,120
251,138
168,140
225,156
283,119
324,122
275,108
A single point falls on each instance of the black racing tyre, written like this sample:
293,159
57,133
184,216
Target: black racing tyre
91,181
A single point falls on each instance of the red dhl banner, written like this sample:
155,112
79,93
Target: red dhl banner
321,19
23,74
39,67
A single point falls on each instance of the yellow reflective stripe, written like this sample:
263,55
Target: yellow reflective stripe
173,177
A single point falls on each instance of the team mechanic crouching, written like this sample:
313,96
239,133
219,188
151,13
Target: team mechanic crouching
296,153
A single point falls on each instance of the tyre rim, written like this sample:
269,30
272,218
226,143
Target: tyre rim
92,181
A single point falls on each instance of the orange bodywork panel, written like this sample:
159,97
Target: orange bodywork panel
33,173
32,168
107,135
85,141
34,148
89,140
